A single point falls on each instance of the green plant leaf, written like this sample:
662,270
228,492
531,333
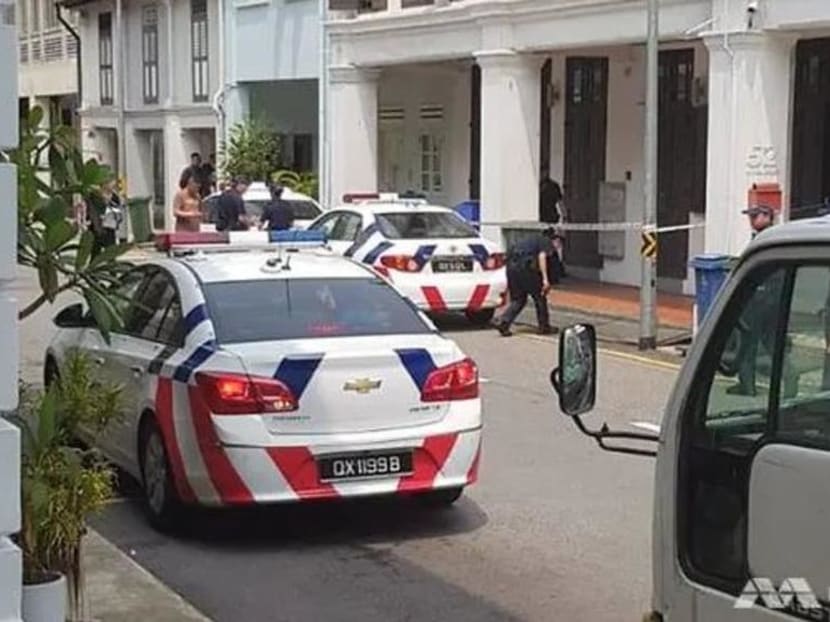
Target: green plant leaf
48,279
84,250
58,233
35,118
54,210
102,310
47,428
109,254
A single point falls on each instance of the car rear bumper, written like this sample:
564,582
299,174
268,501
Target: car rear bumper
471,293
258,475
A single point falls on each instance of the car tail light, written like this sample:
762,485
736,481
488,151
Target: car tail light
238,394
458,381
402,263
495,261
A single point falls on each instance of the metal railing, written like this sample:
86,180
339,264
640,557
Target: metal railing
47,46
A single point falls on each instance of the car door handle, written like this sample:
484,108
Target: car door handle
137,370
99,360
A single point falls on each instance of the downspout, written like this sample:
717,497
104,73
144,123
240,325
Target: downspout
218,98
122,91
322,112
78,66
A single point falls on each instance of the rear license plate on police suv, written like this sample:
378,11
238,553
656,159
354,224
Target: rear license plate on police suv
361,466
452,264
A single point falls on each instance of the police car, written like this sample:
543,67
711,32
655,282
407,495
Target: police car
432,255
279,373
257,196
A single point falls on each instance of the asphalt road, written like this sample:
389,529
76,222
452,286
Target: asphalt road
555,529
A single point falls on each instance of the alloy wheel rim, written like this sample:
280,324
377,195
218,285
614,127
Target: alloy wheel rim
155,474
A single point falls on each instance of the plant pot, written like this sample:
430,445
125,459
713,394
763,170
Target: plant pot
46,601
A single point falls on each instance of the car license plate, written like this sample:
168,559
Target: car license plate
364,465
452,264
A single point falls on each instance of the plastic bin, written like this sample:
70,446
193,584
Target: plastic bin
470,211
141,223
711,271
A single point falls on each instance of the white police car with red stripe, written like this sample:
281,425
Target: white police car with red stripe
282,372
431,254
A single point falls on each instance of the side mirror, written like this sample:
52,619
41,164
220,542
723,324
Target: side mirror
72,317
575,379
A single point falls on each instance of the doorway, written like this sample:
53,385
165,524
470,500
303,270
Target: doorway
810,172
585,142
681,174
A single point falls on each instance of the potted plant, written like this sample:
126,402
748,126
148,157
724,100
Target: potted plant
63,483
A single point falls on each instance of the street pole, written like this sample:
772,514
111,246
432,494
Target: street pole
648,284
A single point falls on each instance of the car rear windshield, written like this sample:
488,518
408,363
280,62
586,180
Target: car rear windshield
415,225
266,310
302,210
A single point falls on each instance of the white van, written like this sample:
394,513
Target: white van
742,485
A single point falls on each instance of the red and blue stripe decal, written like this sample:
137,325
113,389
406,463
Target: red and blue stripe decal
296,372
418,363
197,315
424,254
480,253
373,255
197,358
361,239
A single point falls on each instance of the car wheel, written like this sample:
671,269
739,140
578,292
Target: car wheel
160,498
51,373
441,498
482,317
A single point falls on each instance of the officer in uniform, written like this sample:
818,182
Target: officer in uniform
527,275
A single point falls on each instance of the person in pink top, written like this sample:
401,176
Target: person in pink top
187,205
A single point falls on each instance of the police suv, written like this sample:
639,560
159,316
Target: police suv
431,254
277,372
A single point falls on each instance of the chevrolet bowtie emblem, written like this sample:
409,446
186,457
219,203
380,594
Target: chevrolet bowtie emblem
361,385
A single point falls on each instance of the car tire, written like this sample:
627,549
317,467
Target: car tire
482,317
441,498
51,372
161,501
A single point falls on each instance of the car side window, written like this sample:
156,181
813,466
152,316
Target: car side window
804,406
327,224
348,227
151,307
126,291
171,330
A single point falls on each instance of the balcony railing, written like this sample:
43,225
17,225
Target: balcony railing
47,46
375,6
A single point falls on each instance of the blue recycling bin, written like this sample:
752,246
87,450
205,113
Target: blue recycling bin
470,211
711,270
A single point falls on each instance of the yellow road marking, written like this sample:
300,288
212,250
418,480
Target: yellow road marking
635,358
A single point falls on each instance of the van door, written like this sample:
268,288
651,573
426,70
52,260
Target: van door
753,494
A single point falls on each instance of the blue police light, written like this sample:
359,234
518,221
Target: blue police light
290,236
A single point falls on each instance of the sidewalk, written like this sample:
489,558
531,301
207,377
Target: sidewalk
614,310
119,590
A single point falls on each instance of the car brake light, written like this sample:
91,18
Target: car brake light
238,394
458,381
402,263
495,261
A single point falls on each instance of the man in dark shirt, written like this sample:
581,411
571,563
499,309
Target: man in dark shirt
194,170
277,215
527,275
231,208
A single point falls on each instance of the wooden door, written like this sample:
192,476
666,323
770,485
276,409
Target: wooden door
681,178
585,140
810,173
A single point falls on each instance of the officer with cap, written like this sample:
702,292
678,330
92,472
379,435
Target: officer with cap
527,275
760,217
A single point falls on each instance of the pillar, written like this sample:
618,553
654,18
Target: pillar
176,158
510,96
352,131
750,96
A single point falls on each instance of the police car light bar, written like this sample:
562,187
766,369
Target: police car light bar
238,240
366,197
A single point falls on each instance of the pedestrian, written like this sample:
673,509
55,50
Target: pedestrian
230,210
552,212
208,172
277,215
758,326
194,169
106,216
187,205
527,275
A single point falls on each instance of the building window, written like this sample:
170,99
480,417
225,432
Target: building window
35,25
199,48
432,179
150,55
105,71
23,16
51,16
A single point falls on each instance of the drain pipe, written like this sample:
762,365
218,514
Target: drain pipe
78,66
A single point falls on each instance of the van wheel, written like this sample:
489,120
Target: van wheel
159,493
482,317
441,498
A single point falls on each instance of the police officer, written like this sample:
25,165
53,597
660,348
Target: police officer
527,275
277,215
761,217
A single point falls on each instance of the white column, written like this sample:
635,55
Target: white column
749,124
176,158
10,558
510,91
353,131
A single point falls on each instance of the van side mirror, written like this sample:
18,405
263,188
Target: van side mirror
73,317
576,378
